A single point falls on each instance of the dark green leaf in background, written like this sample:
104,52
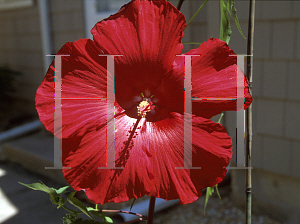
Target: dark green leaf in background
78,204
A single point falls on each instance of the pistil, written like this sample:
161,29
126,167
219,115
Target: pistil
144,107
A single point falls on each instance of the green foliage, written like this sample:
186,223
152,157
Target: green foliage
61,190
69,218
56,197
225,29
78,204
232,11
221,116
96,213
209,192
39,187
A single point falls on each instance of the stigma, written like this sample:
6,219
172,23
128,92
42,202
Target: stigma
144,107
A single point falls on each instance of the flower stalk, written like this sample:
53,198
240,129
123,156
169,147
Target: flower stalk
151,210
179,4
249,112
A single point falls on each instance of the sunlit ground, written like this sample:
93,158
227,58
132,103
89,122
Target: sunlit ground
7,209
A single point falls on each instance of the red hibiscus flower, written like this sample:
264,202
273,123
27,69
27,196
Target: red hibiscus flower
149,88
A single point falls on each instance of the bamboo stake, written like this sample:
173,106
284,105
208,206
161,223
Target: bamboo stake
249,113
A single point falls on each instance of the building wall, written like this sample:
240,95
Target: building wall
276,77
197,30
67,21
20,47
21,43
276,105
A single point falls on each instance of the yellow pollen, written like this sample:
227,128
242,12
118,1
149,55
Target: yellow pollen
143,108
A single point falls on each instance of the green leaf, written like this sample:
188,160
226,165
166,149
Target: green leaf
62,190
69,218
102,216
108,220
99,214
91,209
38,187
209,192
132,203
225,29
232,11
54,197
217,190
78,204
219,121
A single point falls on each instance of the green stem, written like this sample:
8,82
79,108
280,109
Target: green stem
196,13
191,43
219,121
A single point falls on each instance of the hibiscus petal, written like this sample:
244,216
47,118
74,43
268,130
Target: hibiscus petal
148,34
214,75
83,89
106,185
149,163
212,151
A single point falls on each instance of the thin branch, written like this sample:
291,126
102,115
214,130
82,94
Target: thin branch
126,212
249,112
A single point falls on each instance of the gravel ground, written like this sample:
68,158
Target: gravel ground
218,211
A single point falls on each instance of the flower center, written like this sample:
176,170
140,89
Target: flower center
145,106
